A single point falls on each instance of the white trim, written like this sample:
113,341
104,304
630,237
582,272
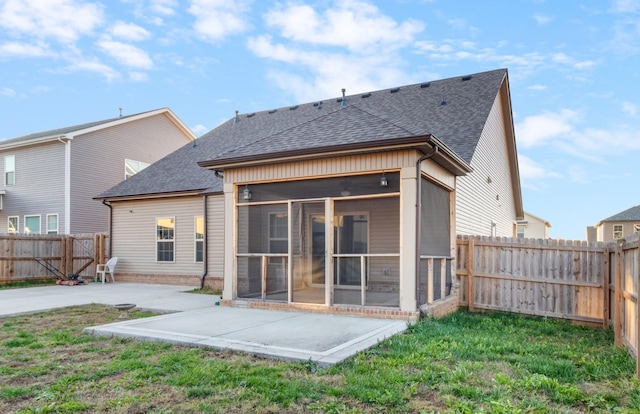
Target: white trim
5,170
57,230
173,240
67,186
24,223
196,240
17,224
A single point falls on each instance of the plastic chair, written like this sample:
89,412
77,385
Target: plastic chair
109,267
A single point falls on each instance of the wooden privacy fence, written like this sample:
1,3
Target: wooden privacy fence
595,283
69,254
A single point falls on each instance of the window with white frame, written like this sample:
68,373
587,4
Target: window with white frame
132,167
165,239
636,227
52,224
520,230
10,170
13,226
278,235
617,231
32,224
199,239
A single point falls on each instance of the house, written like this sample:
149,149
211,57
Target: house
616,227
349,204
51,177
532,227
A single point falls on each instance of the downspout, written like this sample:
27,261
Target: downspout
67,182
434,151
204,245
110,226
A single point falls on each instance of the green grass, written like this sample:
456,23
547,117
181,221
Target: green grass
463,363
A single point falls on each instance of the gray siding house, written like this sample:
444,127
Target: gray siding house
616,227
349,204
50,178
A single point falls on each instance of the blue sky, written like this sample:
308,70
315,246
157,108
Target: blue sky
574,69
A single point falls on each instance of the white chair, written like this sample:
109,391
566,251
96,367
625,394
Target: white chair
109,267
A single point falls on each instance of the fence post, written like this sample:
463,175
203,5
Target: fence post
470,265
606,282
69,249
617,324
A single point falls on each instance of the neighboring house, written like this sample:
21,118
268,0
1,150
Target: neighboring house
532,227
616,227
51,177
351,204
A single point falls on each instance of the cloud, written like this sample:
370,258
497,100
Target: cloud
630,109
540,129
164,7
537,87
626,6
532,174
542,18
351,24
129,31
126,54
93,66
8,92
16,49
199,130
217,19
61,20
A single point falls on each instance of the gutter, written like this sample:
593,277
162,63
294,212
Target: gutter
425,157
204,245
106,203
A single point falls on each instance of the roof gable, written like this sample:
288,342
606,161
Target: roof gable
631,214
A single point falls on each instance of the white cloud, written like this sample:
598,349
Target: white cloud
138,76
129,31
532,174
62,20
351,24
8,92
199,130
630,109
626,6
126,54
540,129
164,7
542,18
537,87
94,66
217,19
16,49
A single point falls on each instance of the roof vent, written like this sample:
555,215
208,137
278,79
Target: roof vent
273,111
318,105
120,112
443,101
425,85
250,115
466,78
344,98
237,118
366,95
293,108
394,90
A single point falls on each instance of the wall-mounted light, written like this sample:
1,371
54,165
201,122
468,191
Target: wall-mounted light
246,193
383,181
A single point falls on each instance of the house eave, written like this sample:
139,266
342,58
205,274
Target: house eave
147,196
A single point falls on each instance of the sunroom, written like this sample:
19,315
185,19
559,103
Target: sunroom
341,232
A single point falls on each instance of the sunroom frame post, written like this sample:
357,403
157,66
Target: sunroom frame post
408,242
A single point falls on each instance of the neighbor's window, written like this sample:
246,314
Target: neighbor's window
520,231
165,239
52,224
10,170
636,227
199,239
617,231
13,227
278,235
32,224
132,167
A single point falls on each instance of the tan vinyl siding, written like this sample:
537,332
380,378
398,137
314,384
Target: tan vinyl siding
324,167
478,201
438,173
39,184
134,235
215,235
98,163
605,230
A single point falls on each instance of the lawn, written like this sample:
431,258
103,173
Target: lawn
469,363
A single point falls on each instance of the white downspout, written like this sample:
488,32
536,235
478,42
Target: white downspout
67,182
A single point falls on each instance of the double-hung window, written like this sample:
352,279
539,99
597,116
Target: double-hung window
165,239
32,224
10,170
617,231
199,239
13,226
52,224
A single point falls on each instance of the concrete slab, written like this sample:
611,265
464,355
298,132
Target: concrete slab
193,320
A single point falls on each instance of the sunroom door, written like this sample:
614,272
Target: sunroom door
308,246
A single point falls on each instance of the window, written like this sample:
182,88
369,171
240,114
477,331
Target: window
165,233
32,224
132,167
199,239
617,231
52,224
13,227
278,235
10,170
636,227
520,231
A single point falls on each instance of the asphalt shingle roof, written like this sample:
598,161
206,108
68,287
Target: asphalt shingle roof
454,110
631,214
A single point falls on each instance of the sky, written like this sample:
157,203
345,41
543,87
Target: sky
574,73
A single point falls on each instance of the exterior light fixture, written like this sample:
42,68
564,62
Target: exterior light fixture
246,193
383,181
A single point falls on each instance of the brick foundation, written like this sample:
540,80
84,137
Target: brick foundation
214,283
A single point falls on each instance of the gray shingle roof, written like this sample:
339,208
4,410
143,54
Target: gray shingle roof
631,214
454,110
